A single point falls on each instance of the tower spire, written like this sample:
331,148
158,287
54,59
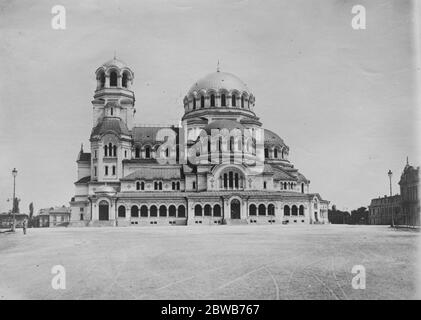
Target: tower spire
407,161
217,67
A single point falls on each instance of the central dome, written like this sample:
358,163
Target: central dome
218,81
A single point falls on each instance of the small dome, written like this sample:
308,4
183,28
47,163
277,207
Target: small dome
115,63
218,81
223,124
272,138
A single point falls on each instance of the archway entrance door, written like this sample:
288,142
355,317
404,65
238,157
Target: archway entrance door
103,211
235,209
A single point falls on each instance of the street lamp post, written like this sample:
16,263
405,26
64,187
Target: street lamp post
390,187
14,174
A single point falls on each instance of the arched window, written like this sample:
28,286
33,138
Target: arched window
102,80
160,185
266,153
155,185
212,100
147,152
294,210
138,185
271,210
285,185
142,186
262,210
137,152
112,111
172,210
208,211
143,211
252,210
115,151
233,100
242,102
162,211
223,100
173,185
301,210
153,211
113,79
194,103
124,80
105,151
198,210
134,211
178,185
181,211
167,152
121,211
202,101
113,170
302,188
286,211
216,210
275,153
264,184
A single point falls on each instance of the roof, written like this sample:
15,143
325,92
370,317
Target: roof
223,124
219,80
150,173
84,156
278,173
272,138
112,124
116,63
84,179
148,134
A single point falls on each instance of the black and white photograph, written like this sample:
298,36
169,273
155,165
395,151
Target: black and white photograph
227,152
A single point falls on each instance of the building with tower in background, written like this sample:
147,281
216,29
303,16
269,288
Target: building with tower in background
401,209
218,167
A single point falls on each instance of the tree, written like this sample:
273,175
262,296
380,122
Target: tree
15,205
31,210
359,216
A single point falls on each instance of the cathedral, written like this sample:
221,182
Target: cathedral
217,166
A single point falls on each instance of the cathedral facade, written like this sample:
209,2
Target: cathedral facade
218,166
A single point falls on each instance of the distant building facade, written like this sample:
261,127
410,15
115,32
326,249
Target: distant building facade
409,185
52,217
381,210
404,209
6,219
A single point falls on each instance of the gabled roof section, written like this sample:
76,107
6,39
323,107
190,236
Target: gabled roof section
144,135
110,124
151,173
84,156
280,174
83,180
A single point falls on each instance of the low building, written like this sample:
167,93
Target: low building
382,210
404,209
53,217
6,219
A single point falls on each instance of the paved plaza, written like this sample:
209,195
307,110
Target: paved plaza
198,262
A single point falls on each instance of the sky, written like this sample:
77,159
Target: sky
343,100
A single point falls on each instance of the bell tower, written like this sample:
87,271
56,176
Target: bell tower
113,95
